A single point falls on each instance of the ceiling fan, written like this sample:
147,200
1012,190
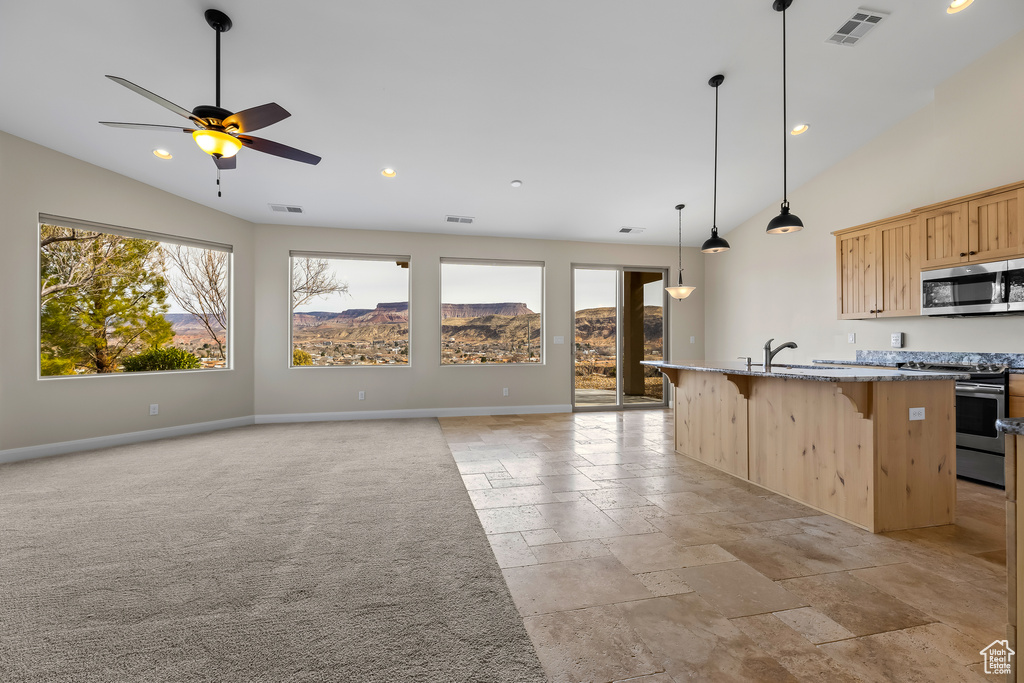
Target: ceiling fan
219,132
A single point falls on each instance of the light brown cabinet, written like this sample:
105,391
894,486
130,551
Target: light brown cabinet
1016,396
877,269
983,228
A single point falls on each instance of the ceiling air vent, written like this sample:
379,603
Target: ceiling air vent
629,230
856,27
458,219
284,208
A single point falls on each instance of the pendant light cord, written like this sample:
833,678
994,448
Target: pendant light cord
785,118
714,210
680,246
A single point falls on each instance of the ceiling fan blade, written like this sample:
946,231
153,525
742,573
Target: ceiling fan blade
146,126
257,117
278,150
225,163
166,104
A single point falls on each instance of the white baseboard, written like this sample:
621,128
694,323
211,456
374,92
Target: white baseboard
62,447
414,412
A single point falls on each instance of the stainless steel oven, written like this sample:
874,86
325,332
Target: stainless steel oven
965,290
980,448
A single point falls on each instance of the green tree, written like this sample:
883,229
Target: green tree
168,358
102,297
300,357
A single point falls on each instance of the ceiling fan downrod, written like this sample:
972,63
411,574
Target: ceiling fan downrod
220,23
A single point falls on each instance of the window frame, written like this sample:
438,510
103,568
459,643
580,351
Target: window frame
345,256
514,263
133,233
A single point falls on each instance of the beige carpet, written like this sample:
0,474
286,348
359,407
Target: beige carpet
312,552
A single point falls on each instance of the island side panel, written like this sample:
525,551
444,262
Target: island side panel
809,442
711,420
915,459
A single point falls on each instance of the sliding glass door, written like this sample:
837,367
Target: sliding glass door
619,322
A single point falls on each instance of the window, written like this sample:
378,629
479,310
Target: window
115,300
349,309
491,312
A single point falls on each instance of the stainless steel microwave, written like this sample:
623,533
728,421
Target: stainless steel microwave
974,289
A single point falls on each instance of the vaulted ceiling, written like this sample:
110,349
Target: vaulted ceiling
600,107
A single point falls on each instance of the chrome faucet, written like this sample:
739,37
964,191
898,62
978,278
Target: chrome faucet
769,353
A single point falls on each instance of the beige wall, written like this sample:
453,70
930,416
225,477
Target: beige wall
425,385
34,179
36,412
970,138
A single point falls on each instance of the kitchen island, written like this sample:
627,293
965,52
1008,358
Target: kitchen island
839,440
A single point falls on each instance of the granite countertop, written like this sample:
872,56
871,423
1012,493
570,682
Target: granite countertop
870,363
1011,425
817,373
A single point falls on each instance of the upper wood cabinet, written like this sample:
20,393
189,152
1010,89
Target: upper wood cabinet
981,228
877,269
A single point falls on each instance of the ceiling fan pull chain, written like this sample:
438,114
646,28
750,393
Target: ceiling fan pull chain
218,182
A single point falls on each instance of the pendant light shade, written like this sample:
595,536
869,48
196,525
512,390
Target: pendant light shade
680,291
715,244
785,222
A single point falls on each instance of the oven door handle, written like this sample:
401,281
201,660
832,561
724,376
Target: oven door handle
979,389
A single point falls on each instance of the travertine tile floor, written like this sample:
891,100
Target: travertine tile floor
628,562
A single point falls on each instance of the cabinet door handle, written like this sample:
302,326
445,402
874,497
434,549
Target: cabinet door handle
972,253
963,253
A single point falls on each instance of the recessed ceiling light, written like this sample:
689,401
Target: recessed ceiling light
163,154
517,183
958,5
388,172
797,130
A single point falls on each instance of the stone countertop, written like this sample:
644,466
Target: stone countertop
869,363
887,364
1011,425
808,372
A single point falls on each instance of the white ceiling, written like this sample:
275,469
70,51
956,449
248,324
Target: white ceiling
600,107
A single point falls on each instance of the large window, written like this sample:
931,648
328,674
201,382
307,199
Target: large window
115,300
349,309
491,312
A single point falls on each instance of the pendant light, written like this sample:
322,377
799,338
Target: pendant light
715,244
785,221
680,291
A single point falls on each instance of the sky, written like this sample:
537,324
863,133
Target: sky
373,282
595,288
369,283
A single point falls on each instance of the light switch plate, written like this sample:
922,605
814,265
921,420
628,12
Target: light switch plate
693,340
852,338
897,340
917,413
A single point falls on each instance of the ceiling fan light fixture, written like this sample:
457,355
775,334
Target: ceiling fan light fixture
217,144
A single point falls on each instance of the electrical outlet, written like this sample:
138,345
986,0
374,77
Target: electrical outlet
559,339
917,413
851,338
897,340
504,391
362,395
693,340
154,408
